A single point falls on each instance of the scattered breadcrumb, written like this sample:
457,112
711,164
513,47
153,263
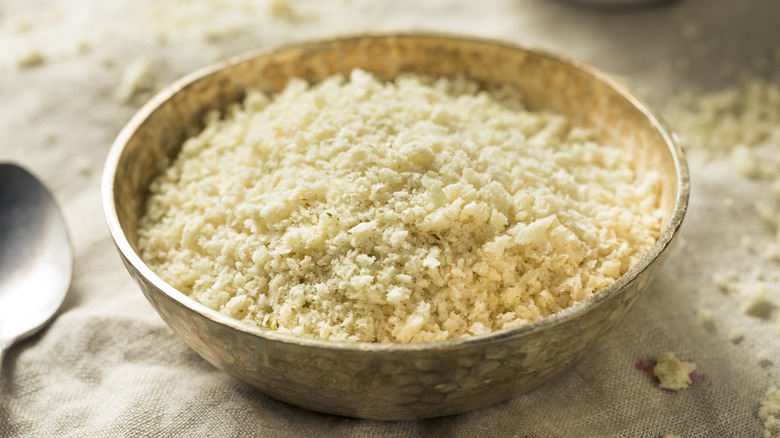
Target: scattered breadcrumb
672,373
772,252
283,10
723,280
704,316
736,334
31,36
738,117
763,357
769,410
766,213
220,21
31,58
416,210
83,165
83,45
752,295
136,79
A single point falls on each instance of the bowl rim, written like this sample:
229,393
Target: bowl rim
668,233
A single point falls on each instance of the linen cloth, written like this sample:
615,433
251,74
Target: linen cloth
108,366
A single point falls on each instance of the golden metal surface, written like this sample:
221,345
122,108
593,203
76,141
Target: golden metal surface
392,381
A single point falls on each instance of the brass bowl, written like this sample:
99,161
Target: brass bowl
392,381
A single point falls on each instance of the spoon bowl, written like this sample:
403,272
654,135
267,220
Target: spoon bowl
36,257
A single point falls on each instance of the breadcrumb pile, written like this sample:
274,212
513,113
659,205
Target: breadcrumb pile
415,210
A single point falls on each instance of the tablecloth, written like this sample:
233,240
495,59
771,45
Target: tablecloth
72,73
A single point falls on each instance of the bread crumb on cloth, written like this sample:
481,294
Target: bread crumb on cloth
769,410
753,295
733,120
672,373
736,334
415,210
763,357
704,316
136,79
32,57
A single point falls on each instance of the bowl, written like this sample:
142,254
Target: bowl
392,381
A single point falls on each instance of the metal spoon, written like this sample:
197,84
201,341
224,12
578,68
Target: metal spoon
36,257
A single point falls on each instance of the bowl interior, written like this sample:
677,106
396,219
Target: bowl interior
155,135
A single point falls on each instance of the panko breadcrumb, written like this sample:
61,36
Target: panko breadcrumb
769,412
415,210
672,373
